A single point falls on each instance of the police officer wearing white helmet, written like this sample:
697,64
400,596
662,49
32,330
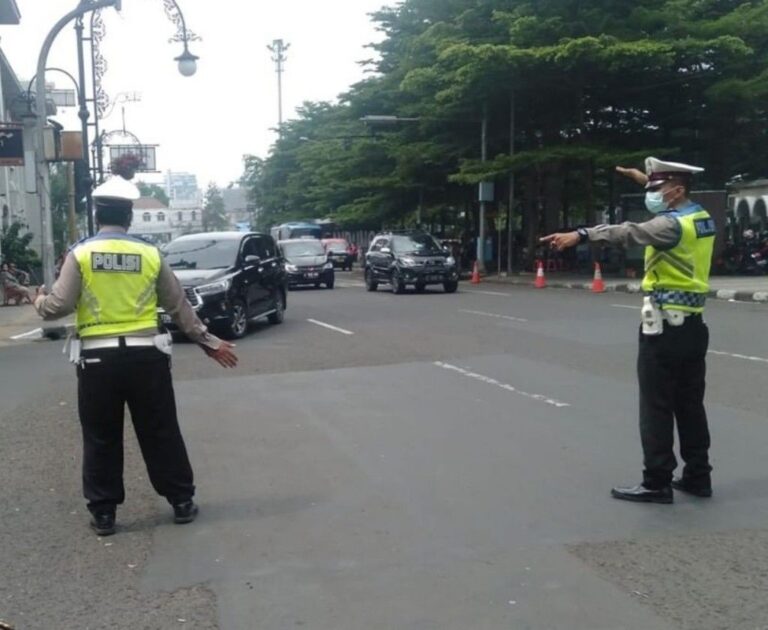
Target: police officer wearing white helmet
114,283
674,339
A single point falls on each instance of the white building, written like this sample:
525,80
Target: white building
155,222
748,204
237,207
182,187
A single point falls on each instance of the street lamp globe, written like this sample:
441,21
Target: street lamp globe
187,63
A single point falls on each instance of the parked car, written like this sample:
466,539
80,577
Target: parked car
340,252
415,258
229,278
307,263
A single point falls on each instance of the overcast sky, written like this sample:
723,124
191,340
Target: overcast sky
206,123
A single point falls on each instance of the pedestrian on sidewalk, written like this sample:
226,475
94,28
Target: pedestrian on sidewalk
674,339
115,282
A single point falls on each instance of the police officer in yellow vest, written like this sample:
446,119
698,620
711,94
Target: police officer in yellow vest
115,282
674,339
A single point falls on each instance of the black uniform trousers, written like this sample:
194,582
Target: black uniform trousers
671,369
140,377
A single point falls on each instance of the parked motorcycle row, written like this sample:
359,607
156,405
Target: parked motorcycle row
747,257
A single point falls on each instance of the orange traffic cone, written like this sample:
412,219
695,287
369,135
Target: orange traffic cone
540,281
475,274
598,286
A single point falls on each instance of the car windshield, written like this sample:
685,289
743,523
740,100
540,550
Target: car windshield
303,249
203,253
416,244
337,246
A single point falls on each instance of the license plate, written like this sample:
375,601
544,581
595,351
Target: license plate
311,275
165,318
434,278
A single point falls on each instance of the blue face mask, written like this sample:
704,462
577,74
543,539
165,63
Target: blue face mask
654,201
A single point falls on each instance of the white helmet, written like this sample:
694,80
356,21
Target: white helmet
116,188
749,234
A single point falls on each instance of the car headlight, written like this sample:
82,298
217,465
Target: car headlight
450,261
328,265
291,268
221,286
407,261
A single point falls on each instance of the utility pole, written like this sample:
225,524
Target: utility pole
511,210
71,215
278,50
481,228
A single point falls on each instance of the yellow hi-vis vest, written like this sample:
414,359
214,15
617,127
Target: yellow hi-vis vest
678,278
119,293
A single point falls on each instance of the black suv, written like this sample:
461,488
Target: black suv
403,258
229,278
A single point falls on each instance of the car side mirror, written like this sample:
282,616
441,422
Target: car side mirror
386,250
252,260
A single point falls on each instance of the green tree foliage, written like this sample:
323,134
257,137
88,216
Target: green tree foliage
154,191
214,216
15,247
594,84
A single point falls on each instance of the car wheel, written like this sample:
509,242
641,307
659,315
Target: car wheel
370,284
329,285
279,315
450,287
420,288
317,285
398,286
238,321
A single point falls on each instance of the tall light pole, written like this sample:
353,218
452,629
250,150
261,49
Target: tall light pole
42,176
187,67
278,50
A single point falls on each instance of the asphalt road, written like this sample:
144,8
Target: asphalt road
417,462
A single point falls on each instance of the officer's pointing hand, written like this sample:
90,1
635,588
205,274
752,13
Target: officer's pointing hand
562,240
223,355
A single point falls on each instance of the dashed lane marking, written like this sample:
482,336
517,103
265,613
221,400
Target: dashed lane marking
31,334
486,292
330,327
743,357
494,315
634,308
492,381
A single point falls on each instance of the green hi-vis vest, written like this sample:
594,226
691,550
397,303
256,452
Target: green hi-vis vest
119,279
678,278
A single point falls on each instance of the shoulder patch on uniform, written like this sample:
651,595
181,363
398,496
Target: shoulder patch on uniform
115,263
705,227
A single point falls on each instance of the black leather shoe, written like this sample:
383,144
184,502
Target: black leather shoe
184,512
696,490
641,494
103,524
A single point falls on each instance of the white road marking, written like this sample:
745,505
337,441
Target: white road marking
739,356
634,308
348,285
486,292
505,386
507,317
329,327
37,332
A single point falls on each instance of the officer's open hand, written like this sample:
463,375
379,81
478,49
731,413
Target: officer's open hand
223,355
633,174
562,240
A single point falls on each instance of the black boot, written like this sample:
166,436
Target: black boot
702,490
103,523
641,494
185,512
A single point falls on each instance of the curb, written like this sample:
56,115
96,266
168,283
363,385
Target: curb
634,287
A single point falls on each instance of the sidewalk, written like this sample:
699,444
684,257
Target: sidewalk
742,288
17,320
